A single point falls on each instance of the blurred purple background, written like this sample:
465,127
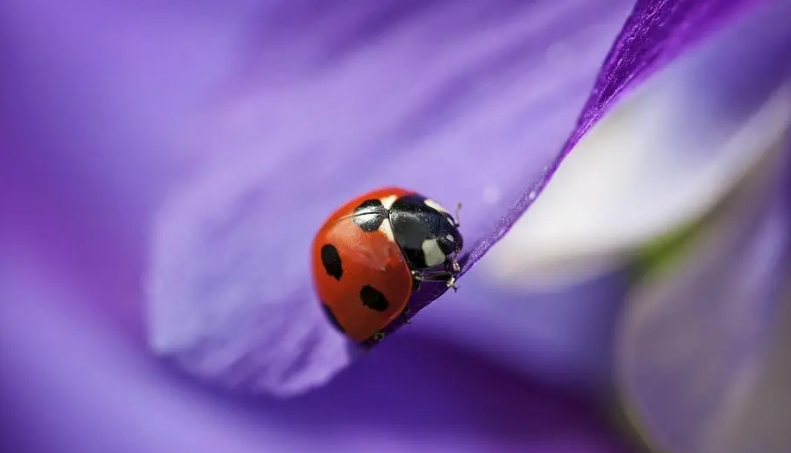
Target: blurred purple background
150,153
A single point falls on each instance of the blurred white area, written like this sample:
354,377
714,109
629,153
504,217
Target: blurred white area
638,175
658,161
548,297
554,289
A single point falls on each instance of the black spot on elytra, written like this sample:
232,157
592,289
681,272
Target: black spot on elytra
373,299
332,318
369,215
331,261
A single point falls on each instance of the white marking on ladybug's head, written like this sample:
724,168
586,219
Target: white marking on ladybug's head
450,238
388,201
387,230
434,205
432,253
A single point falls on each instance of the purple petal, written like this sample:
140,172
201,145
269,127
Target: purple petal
657,162
428,96
563,336
80,385
229,280
655,32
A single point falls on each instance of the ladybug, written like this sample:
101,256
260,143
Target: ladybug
373,253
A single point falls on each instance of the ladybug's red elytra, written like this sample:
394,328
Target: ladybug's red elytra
371,255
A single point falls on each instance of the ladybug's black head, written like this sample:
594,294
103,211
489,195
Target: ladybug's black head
449,238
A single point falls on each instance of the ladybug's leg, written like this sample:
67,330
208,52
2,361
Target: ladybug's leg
404,315
454,266
456,214
449,278
415,282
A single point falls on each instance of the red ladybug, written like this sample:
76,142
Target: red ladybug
371,255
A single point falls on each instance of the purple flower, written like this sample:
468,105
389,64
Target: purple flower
192,151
